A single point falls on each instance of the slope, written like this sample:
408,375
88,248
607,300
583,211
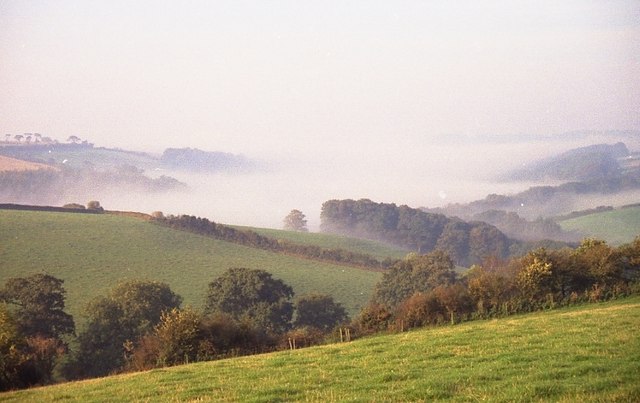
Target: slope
92,253
584,353
376,249
617,226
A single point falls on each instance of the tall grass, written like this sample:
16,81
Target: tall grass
92,253
585,353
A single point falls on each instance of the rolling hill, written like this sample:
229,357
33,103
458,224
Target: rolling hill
582,353
617,226
92,253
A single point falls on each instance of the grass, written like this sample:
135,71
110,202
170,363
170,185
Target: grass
584,353
378,250
92,253
617,226
99,158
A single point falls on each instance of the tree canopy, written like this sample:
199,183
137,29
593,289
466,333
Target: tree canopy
415,274
466,242
39,300
295,221
319,311
131,310
250,294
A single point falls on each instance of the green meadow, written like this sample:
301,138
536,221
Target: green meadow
378,250
92,253
576,354
617,226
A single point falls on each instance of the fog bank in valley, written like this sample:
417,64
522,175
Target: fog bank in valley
430,175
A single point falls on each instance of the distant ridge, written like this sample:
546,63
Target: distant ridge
193,159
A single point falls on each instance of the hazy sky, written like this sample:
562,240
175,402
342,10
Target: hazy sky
284,77
375,99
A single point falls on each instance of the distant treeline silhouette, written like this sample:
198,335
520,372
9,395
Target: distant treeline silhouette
26,207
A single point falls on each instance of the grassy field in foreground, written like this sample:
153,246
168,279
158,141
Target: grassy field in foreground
584,353
92,253
617,226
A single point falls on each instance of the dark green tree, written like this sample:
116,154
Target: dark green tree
254,295
414,274
319,311
12,357
39,302
131,310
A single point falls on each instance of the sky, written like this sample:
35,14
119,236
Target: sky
342,83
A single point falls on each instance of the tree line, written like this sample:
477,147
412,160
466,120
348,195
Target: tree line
465,242
203,226
141,325
425,289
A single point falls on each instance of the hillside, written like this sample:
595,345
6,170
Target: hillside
94,252
580,164
376,249
617,226
13,164
583,353
80,156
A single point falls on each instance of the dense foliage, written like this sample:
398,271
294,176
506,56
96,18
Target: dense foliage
423,290
319,311
465,242
33,325
254,296
130,311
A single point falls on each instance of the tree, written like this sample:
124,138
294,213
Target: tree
94,205
131,310
535,279
178,334
254,295
295,221
600,261
416,273
319,311
12,358
374,318
41,322
39,301
74,139
18,137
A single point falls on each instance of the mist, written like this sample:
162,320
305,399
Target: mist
433,175
417,103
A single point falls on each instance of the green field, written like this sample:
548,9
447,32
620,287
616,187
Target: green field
584,353
378,250
92,253
617,226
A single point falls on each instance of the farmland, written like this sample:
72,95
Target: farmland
92,253
617,226
581,353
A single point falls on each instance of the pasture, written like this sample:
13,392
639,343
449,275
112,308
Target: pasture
92,253
578,354
617,226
